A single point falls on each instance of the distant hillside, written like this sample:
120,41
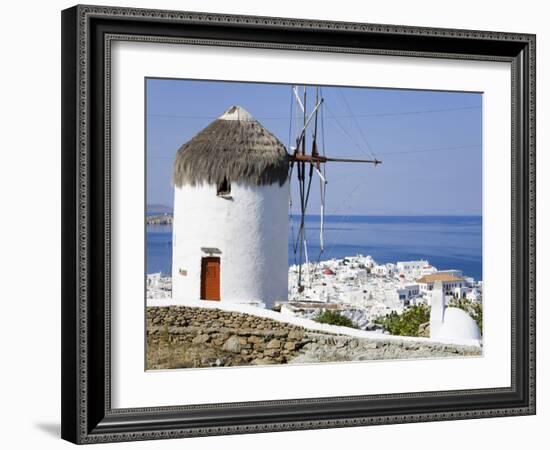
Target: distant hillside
159,209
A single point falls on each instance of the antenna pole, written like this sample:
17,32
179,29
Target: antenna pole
302,181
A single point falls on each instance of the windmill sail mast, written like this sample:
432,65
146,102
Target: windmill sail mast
312,164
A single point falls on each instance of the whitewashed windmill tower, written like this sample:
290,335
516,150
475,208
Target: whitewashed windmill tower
230,228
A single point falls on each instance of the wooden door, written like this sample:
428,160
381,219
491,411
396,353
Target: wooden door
210,279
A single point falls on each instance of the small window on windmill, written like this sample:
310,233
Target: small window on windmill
224,188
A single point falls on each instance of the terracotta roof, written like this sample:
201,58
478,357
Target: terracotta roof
445,277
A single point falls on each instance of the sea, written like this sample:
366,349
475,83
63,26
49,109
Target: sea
447,242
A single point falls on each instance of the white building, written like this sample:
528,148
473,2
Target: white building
369,262
449,283
158,287
473,294
428,269
385,270
411,268
453,272
407,292
231,214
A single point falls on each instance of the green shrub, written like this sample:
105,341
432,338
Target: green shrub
406,323
334,318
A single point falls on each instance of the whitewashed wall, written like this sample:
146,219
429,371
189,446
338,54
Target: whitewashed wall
251,230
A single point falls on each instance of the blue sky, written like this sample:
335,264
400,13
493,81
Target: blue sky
429,142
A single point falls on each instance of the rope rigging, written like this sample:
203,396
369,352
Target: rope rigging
357,124
310,164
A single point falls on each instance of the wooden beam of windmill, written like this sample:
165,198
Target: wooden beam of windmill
299,157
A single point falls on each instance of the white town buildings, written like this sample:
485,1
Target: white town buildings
350,287
359,283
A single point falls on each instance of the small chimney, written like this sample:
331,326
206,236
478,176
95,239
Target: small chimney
437,313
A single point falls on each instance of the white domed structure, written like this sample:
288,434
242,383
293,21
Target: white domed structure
230,230
450,324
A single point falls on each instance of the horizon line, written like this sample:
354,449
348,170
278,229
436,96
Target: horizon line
368,214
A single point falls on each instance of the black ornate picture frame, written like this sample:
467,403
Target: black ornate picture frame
87,34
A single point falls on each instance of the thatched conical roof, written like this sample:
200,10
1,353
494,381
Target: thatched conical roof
236,147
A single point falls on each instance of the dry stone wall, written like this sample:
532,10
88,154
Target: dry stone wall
181,336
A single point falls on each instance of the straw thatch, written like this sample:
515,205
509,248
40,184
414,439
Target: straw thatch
235,147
